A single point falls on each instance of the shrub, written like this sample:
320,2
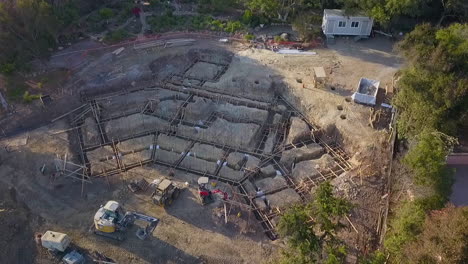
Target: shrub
217,25
233,26
7,68
405,226
116,36
427,161
27,98
106,13
249,37
247,17
278,39
311,241
377,257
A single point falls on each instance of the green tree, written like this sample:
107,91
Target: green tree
427,158
106,13
433,90
310,229
27,29
405,226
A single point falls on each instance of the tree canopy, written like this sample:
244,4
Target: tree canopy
444,238
311,229
433,90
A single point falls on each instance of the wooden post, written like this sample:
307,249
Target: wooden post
225,214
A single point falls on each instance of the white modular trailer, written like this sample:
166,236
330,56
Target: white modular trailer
335,22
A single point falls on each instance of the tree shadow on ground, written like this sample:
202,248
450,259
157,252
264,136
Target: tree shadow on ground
211,217
377,50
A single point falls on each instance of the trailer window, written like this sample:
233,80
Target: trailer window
354,24
342,24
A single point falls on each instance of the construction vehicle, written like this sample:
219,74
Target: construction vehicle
112,221
206,194
165,193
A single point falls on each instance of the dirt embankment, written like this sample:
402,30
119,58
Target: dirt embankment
17,243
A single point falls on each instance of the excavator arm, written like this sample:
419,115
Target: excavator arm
131,217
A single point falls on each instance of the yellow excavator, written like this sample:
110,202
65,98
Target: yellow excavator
111,221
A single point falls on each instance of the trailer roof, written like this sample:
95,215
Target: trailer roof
341,13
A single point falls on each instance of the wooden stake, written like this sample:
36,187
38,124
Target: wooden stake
347,218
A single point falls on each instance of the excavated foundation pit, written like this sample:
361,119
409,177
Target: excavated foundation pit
265,149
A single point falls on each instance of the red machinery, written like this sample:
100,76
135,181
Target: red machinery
205,194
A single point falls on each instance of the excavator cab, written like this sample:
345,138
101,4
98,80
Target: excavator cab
111,220
108,216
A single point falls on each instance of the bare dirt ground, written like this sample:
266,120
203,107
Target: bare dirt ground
189,232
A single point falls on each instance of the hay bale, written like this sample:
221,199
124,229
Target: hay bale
235,159
173,143
133,124
283,198
166,156
270,184
199,110
243,112
136,143
198,164
135,157
203,70
223,132
252,163
311,168
249,188
126,103
268,171
260,203
167,108
206,152
298,130
277,118
231,174
269,143
307,152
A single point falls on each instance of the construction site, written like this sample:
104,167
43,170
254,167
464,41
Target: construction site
257,127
